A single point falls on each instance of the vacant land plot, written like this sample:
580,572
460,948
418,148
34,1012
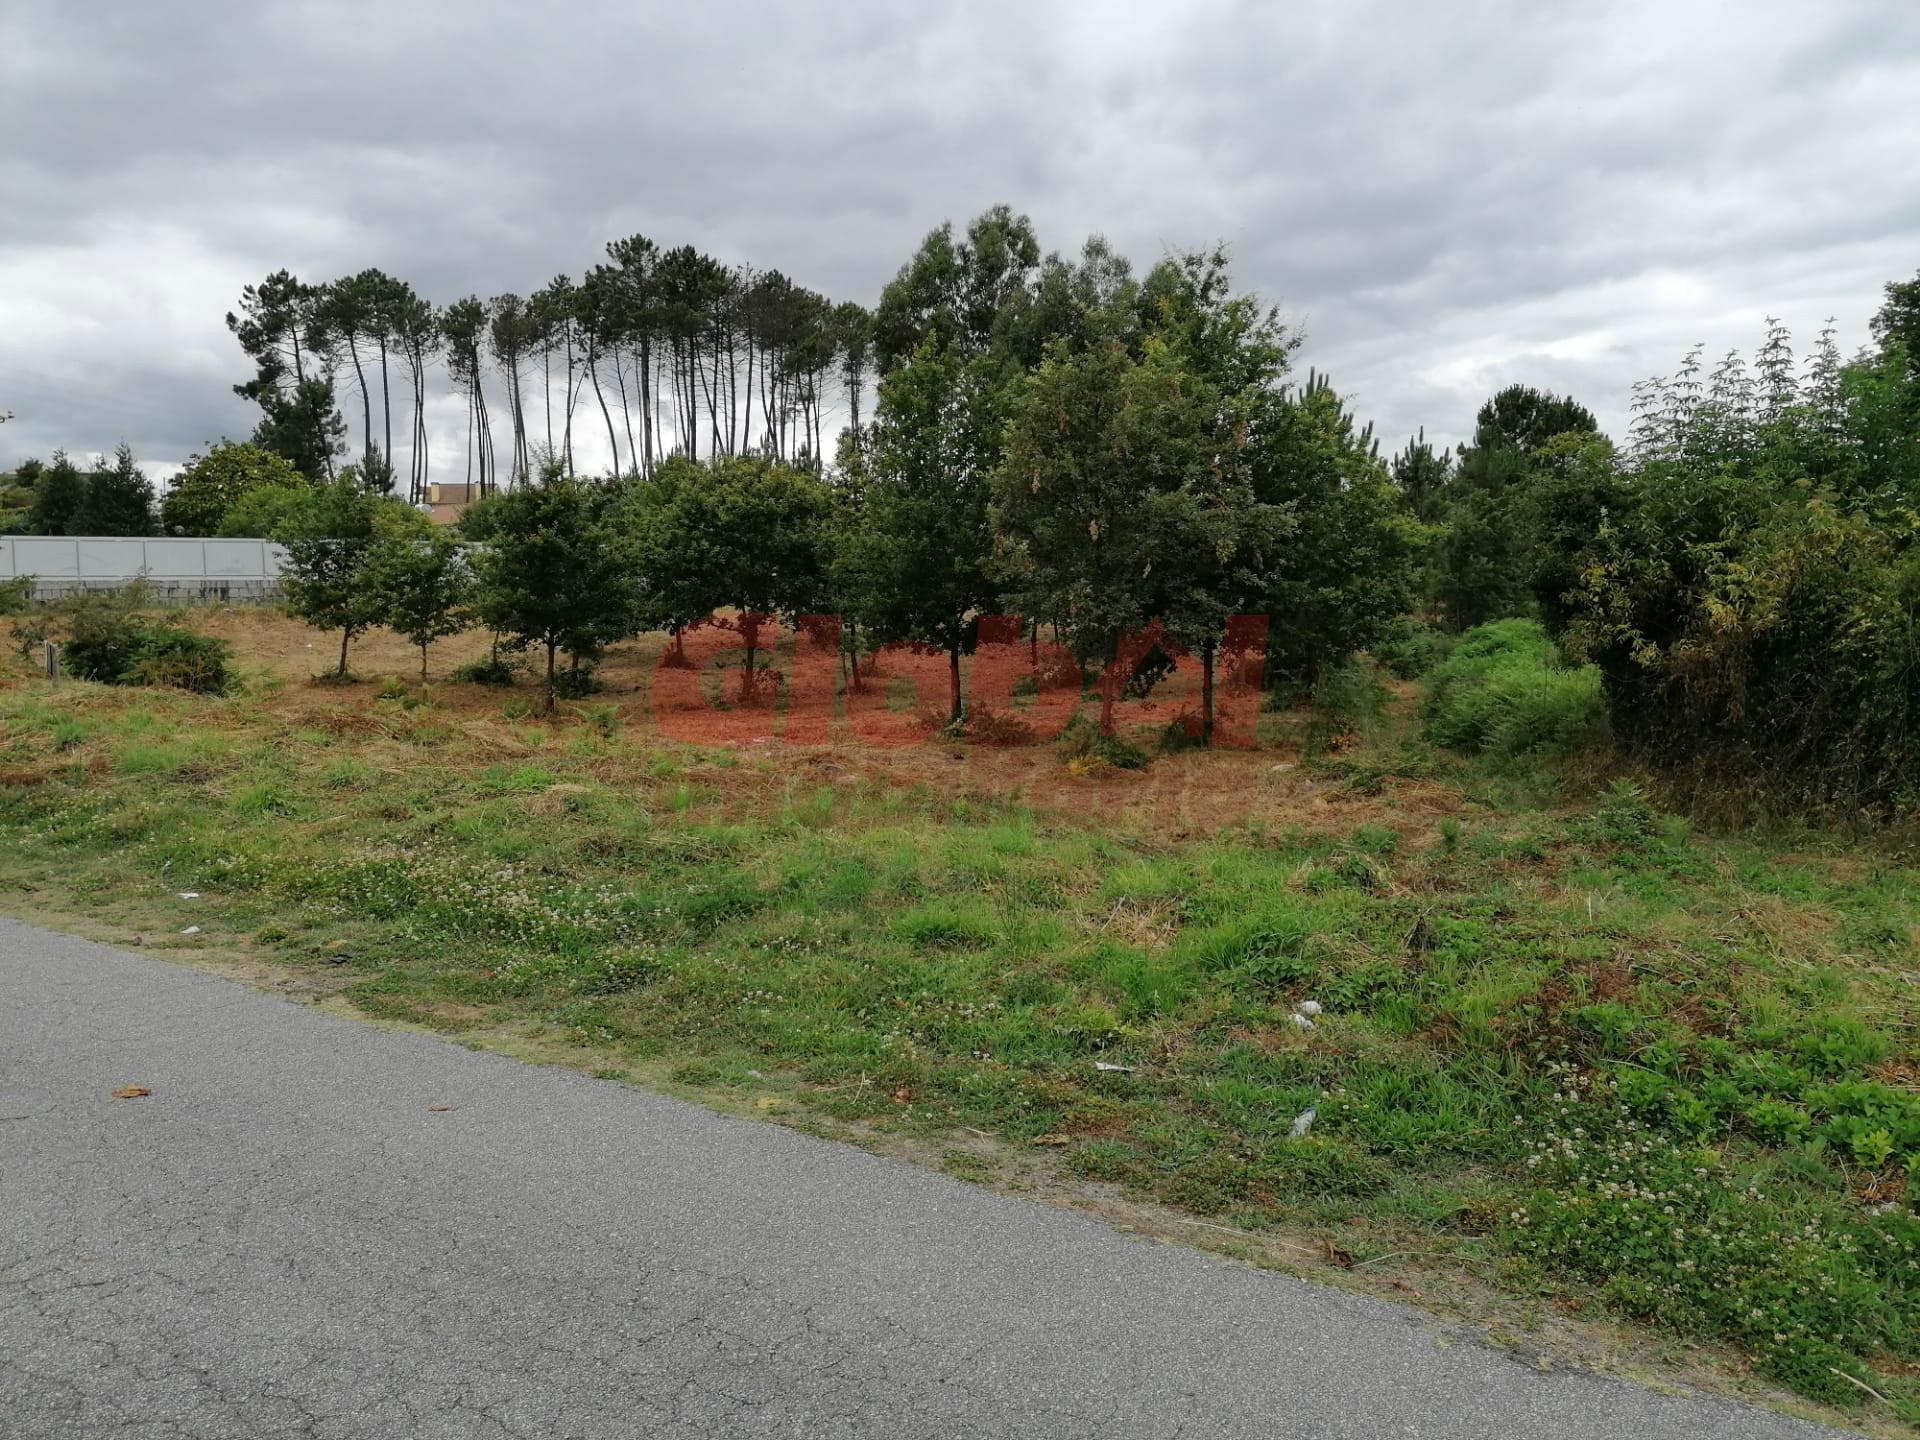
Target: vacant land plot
1541,1054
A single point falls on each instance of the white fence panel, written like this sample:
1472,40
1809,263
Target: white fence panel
47,559
178,569
237,559
112,559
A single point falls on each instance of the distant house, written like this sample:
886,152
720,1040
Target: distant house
447,503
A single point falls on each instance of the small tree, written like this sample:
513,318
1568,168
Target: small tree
745,532
912,562
423,587
1123,497
205,493
118,500
552,569
56,497
331,541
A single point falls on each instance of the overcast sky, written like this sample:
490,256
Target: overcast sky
1446,198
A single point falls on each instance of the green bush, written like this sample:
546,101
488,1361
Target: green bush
1082,740
1503,691
494,670
110,644
16,595
1410,649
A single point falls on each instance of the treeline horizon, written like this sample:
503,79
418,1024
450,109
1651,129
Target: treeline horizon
1094,448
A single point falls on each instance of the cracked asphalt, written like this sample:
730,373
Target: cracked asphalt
287,1238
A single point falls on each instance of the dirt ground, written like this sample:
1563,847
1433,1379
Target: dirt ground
820,730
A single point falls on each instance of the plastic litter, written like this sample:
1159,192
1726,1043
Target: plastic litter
189,894
1308,1008
1303,1122
191,930
1300,1021
1112,1069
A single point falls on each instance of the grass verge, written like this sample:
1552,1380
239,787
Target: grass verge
1597,1061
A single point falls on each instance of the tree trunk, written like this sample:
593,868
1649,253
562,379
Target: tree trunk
953,681
346,638
552,649
626,415
1206,692
366,401
593,372
423,662
386,401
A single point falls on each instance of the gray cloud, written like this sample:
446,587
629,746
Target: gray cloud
1446,198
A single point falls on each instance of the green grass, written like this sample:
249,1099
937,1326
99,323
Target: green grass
1588,1051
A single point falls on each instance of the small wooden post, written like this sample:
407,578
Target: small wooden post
53,661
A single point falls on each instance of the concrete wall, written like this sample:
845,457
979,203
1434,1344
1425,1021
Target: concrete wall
176,569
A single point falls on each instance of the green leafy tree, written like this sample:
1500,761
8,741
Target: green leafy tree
118,500
1123,496
744,532
57,497
552,569
1346,575
205,493
1486,562
265,512
912,559
331,539
424,587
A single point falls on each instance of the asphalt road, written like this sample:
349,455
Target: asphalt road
287,1239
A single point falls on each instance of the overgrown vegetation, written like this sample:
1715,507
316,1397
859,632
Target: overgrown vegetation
1502,690
1539,1031
107,640
1583,1051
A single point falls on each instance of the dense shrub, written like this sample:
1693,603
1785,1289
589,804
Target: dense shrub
107,642
1750,595
16,595
1410,648
204,494
495,669
1504,691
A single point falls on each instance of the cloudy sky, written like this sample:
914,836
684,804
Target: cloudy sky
1445,198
